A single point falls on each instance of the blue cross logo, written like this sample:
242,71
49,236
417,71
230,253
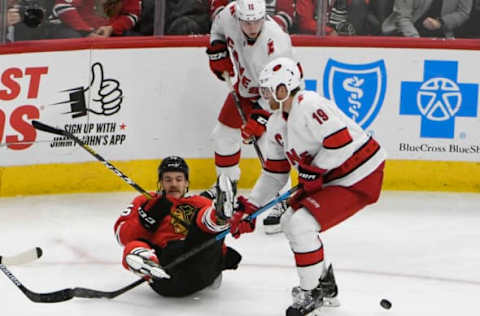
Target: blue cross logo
439,99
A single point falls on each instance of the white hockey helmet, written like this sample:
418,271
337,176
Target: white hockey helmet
250,10
280,71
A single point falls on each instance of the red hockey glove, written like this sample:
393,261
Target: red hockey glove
238,225
255,126
310,177
152,212
142,260
219,59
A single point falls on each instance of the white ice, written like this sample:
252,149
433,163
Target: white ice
420,250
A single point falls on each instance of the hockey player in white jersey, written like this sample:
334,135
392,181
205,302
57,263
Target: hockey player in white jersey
242,40
340,170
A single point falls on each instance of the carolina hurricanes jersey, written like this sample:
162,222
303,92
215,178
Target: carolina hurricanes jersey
315,132
128,227
81,15
250,58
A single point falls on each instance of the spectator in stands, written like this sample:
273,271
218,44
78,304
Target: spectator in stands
26,19
94,18
185,17
344,17
427,18
471,28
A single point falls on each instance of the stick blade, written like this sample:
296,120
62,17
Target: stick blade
52,297
23,257
47,128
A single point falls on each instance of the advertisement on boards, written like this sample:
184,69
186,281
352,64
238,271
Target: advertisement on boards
421,104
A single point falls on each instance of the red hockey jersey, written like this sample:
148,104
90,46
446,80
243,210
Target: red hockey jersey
128,227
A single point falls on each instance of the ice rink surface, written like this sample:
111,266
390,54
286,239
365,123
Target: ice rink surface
420,250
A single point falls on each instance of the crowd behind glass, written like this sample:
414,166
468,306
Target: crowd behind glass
53,19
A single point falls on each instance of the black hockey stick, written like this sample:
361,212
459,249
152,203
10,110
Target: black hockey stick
236,100
224,234
67,294
22,257
50,129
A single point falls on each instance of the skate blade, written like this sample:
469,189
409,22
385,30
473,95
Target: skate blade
327,302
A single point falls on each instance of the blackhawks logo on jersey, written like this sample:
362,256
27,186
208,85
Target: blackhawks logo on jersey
185,213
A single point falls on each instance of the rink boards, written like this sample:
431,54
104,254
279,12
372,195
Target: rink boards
135,101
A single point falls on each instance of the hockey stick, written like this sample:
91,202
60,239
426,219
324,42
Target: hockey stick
53,130
50,129
224,234
23,257
67,294
236,100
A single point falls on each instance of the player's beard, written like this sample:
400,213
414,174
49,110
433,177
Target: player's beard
175,192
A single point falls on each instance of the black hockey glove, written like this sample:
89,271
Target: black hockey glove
153,211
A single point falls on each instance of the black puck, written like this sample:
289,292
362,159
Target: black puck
385,303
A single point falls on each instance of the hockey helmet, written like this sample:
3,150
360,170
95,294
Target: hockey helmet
280,71
250,10
172,163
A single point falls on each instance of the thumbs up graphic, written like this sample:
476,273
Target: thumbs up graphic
105,95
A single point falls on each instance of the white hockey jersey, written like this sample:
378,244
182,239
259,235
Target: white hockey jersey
249,59
318,133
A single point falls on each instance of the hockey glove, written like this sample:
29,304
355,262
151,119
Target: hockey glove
238,224
255,126
310,178
152,212
219,57
143,262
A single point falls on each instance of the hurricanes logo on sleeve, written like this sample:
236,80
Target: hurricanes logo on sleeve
270,46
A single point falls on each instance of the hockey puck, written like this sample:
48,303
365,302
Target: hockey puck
385,303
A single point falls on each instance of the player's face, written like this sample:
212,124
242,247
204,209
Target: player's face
252,28
174,183
267,95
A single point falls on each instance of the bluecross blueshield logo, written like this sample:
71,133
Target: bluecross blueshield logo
357,89
439,99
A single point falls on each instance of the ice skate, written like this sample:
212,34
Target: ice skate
309,302
305,303
224,197
271,223
329,289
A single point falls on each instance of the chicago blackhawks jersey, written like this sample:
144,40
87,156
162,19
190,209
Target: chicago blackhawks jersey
315,132
250,58
173,226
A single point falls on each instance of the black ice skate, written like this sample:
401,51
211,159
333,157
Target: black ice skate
271,223
211,193
308,303
224,197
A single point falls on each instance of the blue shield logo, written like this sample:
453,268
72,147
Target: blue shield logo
357,89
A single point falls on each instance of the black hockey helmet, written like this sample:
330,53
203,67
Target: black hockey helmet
172,163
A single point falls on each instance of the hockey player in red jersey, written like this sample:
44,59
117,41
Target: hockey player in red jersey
340,170
155,232
94,18
242,40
